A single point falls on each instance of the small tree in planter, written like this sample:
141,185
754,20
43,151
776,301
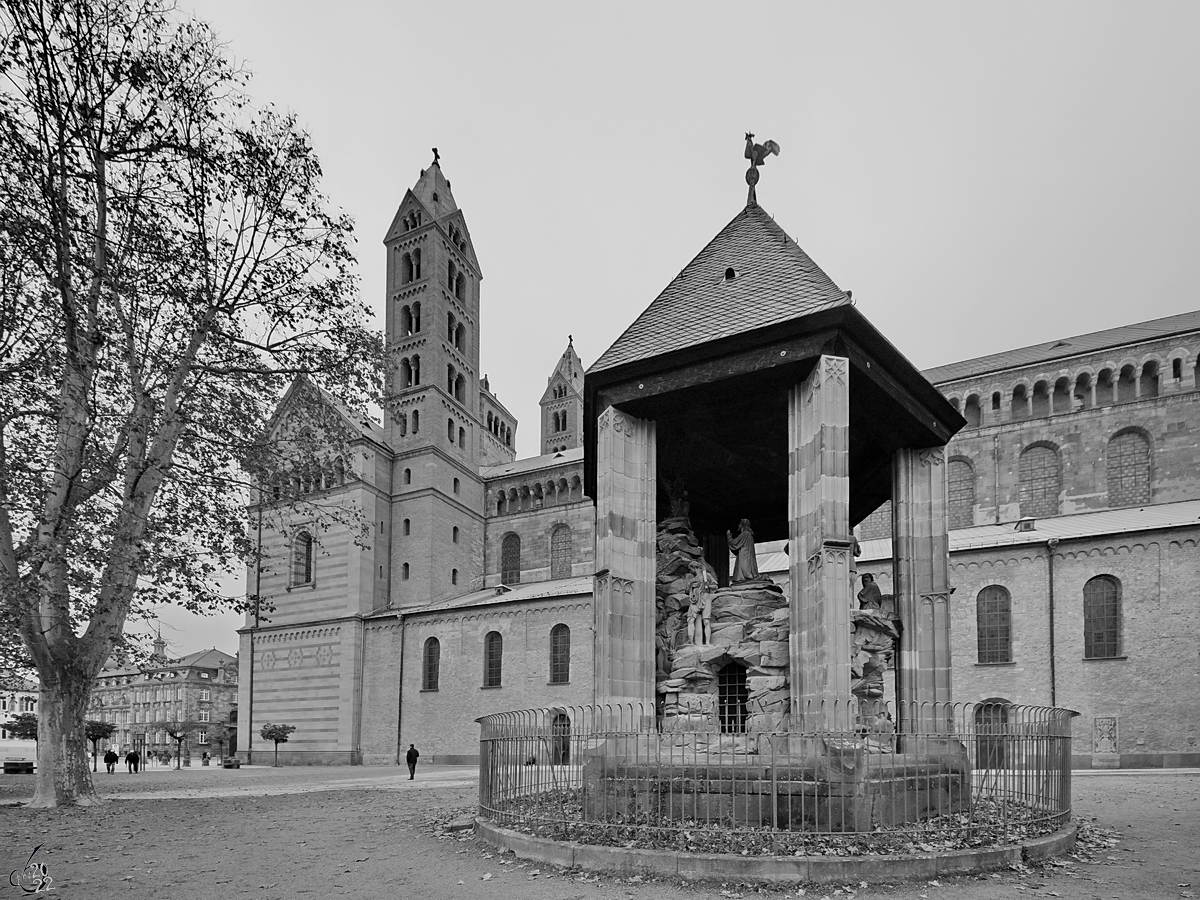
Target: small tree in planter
278,734
96,732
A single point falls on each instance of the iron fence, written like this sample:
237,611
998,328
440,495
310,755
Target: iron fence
911,777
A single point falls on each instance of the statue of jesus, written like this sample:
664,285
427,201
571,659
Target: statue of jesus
746,566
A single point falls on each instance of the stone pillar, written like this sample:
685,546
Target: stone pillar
625,544
921,584
819,529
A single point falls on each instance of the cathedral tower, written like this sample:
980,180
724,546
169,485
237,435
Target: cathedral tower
435,421
562,404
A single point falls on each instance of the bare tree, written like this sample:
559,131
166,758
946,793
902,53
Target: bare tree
179,730
168,265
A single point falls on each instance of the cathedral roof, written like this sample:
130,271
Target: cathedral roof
569,369
1077,526
538,590
533,463
1072,346
772,281
433,184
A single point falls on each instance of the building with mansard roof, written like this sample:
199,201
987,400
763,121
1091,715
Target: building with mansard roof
198,690
1074,516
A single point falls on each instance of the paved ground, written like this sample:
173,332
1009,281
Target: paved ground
369,832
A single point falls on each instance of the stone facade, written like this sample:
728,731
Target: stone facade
1097,515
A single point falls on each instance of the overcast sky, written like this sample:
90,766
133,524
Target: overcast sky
982,176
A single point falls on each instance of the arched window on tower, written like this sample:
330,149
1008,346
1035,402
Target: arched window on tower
560,654
460,287
406,268
451,271
450,430
460,388
402,423
1106,392
560,552
416,417
339,471
406,321
1040,479
416,264
960,479
462,437
1128,469
510,559
460,338
416,317
302,559
993,622
431,669
450,322
493,659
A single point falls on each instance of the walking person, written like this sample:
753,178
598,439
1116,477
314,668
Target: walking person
110,760
411,758
132,758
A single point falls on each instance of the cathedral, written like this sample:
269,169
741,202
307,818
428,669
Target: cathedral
1074,510
474,592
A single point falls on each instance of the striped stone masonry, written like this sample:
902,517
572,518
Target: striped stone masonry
819,529
922,577
625,545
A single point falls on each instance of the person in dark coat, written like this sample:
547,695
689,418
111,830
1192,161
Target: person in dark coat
132,758
111,759
411,758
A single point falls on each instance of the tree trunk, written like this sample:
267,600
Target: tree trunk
277,754
62,770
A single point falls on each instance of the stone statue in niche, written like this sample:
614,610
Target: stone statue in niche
870,597
746,565
700,597
678,497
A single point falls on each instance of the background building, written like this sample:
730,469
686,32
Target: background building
17,695
1075,506
200,689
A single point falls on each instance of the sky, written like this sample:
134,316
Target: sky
982,176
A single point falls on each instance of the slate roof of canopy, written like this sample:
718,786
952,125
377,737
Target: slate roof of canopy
775,281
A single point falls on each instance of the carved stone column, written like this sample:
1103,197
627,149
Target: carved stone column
624,586
819,528
921,577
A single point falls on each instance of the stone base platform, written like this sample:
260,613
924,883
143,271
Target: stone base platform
833,787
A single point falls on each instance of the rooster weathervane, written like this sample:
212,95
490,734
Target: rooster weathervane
757,154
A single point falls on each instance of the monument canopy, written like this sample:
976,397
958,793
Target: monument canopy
713,357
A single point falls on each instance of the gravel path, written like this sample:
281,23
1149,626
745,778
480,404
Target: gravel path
370,832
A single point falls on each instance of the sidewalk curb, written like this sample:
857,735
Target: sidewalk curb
819,869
